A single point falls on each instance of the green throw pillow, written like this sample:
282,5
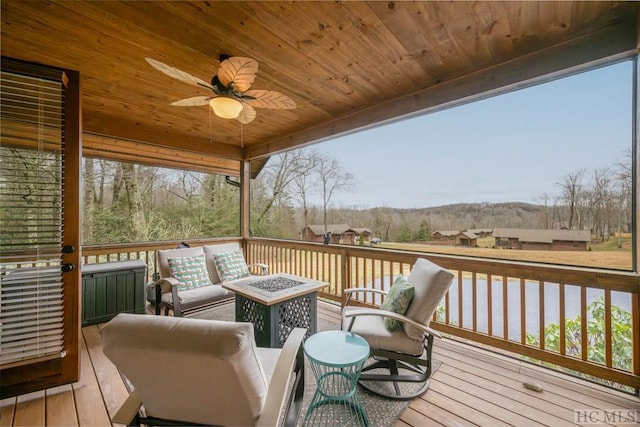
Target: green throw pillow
190,271
397,301
231,265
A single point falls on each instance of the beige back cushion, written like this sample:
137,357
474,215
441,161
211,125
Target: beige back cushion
164,255
431,282
192,370
211,250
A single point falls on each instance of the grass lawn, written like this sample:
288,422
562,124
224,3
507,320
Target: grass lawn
604,255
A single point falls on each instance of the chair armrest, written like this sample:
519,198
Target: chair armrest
371,290
277,393
392,315
349,292
128,410
263,267
166,283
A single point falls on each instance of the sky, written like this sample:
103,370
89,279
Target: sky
509,148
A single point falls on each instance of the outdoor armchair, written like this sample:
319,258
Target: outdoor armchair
398,333
193,371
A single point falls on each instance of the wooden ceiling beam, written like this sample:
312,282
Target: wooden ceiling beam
174,163
123,150
104,125
572,56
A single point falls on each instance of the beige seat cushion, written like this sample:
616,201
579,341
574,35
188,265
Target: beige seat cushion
193,370
372,329
198,296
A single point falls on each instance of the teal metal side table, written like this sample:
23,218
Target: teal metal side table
336,359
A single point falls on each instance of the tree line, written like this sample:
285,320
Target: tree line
125,202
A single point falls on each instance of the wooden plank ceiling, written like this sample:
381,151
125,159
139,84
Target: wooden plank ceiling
347,65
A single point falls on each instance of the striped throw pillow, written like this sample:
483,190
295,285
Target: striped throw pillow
231,265
191,271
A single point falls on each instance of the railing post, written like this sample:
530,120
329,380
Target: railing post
345,281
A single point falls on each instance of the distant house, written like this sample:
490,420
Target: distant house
481,232
552,240
340,233
366,235
444,234
467,238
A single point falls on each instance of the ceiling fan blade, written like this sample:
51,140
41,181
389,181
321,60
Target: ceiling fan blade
268,99
193,102
246,115
238,70
178,74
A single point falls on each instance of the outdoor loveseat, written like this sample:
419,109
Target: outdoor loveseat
191,278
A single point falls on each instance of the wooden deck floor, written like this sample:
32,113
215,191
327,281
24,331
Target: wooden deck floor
471,387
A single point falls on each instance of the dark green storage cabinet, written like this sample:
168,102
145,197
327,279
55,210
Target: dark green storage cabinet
112,287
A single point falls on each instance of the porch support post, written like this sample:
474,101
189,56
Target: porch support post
245,197
635,203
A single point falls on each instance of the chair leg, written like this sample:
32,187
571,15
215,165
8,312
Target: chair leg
393,369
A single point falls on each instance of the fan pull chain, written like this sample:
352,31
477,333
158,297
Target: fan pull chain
241,135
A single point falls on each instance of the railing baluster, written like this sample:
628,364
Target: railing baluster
541,314
446,308
460,295
489,305
563,320
523,313
635,333
505,307
583,323
474,302
608,357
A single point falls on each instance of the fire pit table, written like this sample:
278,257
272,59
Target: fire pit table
276,304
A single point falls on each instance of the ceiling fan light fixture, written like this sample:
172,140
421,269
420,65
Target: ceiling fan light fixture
225,107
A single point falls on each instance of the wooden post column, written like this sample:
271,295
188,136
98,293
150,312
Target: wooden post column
245,197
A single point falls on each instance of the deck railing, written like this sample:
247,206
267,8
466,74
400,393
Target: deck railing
554,314
520,307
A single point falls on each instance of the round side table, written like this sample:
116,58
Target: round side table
336,359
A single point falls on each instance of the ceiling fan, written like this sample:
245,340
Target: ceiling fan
232,96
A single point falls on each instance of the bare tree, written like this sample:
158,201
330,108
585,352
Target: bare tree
332,178
278,177
624,180
547,217
302,185
572,192
599,201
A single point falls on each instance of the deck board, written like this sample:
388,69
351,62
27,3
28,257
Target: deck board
473,386
7,409
90,407
30,409
60,406
113,390
550,403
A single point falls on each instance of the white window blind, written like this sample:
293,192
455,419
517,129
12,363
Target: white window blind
31,226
